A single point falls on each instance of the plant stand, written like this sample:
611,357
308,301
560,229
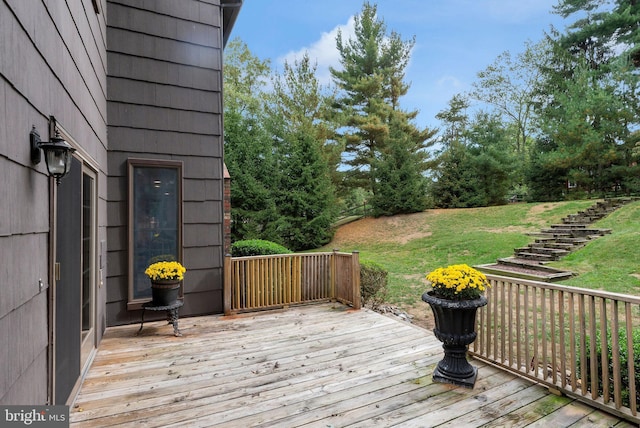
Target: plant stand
455,328
172,314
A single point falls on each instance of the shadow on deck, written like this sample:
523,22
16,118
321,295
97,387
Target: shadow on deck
322,365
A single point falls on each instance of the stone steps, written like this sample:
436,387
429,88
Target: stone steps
556,245
555,252
555,242
575,233
575,225
578,242
526,269
535,256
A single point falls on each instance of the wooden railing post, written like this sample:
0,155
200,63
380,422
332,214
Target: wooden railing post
333,273
226,291
261,282
563,330
355,279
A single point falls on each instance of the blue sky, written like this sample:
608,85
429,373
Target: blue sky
454,38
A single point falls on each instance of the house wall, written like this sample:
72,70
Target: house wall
52,63
164,102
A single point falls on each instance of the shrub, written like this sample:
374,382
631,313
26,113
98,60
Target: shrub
373,284
624,358
257,247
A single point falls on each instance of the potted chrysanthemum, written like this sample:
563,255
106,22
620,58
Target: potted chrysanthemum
457,291
165,279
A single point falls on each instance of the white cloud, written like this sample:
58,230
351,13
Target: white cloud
323,51
449,82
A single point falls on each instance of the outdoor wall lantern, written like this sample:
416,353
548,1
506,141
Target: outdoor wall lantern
56,154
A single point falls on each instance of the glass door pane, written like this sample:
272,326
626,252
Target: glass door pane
67,288
87,314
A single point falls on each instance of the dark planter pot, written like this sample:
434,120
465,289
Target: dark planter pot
165,292
455,327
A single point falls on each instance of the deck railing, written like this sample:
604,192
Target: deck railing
575,341
266,282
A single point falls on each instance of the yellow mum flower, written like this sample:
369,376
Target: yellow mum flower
165,270
458,282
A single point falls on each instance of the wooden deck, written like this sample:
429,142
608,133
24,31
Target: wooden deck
317,366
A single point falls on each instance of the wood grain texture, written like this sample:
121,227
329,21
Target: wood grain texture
317,366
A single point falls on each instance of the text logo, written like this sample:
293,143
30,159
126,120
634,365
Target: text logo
34,416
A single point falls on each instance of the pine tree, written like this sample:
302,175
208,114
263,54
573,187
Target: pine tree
399,185
457,182
604,28
371,82
491,153
455,119
306,198
546,179
592,106
248,154
301,128
589,131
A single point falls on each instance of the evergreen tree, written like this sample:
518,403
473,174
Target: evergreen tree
248,154
456,182
589,118
480,152
497,166
591,132
455,119
399,185
300,102
592,105
372,82
306,198
305,194
546,179
605,29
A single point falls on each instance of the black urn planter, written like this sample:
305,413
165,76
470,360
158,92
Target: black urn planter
455,328
165,292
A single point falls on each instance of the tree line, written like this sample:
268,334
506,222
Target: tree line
558,120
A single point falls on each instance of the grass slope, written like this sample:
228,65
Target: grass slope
410,246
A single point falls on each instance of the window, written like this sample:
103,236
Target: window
87,315
155,221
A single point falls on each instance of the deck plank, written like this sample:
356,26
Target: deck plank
566,415
315,366
530,413
600,420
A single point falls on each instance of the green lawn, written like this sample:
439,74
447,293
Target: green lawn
418,243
